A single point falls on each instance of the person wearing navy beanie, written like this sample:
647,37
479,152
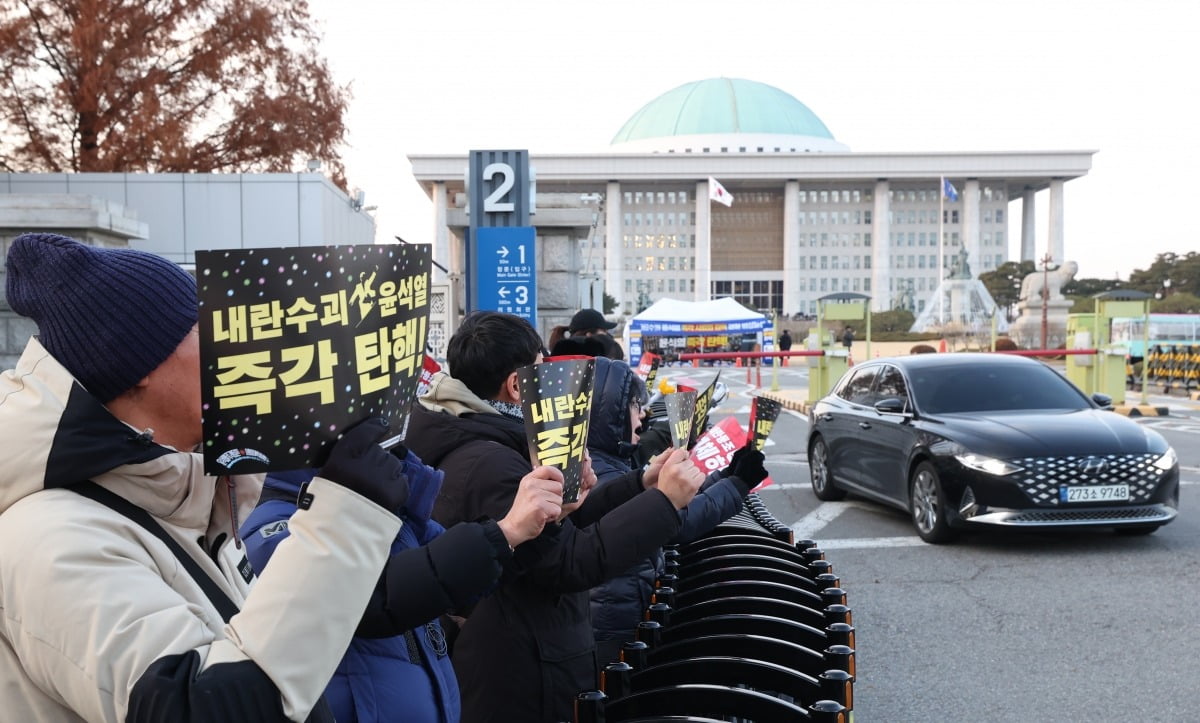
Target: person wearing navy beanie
110,316
126,591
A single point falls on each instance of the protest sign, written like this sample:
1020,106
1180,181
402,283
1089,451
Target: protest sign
428,369
763,413
297,344
716,448
681,411
647,368
703,406
556,398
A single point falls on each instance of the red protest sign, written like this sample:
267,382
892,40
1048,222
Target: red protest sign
716,447
647,368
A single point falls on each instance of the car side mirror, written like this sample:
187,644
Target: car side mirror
891,405
1102,400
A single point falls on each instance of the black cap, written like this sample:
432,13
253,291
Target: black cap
589,319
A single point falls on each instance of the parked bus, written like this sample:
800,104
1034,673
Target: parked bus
1166,330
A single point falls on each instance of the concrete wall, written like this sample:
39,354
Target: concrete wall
173,215
184,212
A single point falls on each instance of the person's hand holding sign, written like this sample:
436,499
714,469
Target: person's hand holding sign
654,467
748,466
358,463
538,501
678,478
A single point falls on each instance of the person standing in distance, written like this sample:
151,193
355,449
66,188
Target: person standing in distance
785,344
588,324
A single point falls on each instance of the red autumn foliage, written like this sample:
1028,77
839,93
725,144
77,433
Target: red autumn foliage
165,86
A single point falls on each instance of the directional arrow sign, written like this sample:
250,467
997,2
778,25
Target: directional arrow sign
506,274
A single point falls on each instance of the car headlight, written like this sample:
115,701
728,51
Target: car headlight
990,465
1168,460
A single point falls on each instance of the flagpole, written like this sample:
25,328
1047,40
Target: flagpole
705,296
941,263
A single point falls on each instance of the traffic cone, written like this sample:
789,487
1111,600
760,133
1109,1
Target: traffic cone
942,346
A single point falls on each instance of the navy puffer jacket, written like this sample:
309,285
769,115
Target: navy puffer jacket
404,677
618,605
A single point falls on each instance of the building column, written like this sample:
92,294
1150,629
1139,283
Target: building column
1056,245
703,259
1028,225
614,245
441,234
881,257
970,238
791,247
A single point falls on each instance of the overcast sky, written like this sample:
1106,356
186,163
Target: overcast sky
1115,76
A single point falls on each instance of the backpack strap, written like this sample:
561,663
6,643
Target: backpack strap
215,594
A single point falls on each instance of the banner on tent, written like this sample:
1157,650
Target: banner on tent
678,327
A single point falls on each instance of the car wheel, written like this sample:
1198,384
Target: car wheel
1132,530
927,505
820,474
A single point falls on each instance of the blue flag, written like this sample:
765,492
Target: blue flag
948,190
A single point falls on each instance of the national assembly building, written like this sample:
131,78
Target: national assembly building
808,217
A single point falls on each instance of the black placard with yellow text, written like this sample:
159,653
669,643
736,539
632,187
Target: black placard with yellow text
299,343
763,413
556,399
681,412
703,407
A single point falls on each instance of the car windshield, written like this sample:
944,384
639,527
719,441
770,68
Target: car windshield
992,388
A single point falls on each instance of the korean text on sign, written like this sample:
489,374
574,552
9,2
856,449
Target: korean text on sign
557,446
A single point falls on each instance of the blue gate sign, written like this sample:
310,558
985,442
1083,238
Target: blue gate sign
506,270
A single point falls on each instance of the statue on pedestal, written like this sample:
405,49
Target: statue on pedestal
1026,331
959,268
1032,285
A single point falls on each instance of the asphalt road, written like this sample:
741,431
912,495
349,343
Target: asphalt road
1087,626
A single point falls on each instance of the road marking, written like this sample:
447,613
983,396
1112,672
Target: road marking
815,521
863,543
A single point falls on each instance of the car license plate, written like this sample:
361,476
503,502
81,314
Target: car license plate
1094,493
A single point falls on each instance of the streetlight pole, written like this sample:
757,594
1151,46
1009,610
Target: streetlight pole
1046,298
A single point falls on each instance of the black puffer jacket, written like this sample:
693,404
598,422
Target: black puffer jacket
618,604
527,649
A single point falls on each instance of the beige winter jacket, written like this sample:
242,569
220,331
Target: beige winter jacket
89,600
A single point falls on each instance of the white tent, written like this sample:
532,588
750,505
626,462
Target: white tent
722,310
675,318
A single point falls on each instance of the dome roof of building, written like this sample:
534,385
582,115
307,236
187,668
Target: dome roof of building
723,107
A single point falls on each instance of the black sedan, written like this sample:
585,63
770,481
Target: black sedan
960,440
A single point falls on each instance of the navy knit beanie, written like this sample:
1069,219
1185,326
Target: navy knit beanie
110,316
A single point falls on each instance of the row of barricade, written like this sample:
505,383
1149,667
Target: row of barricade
1175,366
745,624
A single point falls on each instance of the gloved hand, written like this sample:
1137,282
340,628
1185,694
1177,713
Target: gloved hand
737,456
749,466
358,463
